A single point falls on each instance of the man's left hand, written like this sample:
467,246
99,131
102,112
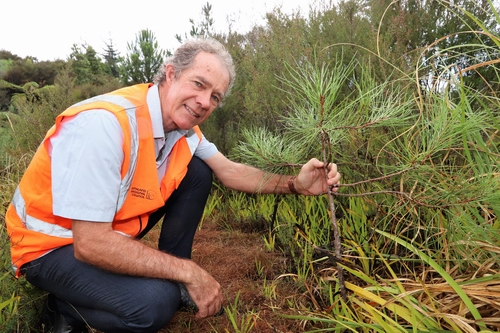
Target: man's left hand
311,179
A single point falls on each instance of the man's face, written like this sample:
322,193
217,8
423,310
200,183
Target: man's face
191,98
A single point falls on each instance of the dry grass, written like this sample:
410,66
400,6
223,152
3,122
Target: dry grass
231,256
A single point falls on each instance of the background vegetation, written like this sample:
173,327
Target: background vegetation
401,94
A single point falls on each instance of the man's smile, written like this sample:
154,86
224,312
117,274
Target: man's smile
191,112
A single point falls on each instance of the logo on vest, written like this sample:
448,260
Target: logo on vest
142,193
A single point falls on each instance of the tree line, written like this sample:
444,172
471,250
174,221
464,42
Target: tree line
428,38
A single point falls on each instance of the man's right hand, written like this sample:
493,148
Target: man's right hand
205,292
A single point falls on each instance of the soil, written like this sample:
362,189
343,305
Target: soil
239,262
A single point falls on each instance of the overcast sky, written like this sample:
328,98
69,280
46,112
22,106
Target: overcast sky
46,29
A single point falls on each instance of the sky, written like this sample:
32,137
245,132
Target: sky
47,29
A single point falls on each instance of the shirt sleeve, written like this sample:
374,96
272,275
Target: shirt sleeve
86,157
205,149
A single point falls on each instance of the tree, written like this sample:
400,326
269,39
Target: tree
4,54
112,60
436,36
87,66
143,59
205,28
21,71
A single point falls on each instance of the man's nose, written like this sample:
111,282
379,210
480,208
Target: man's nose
204,99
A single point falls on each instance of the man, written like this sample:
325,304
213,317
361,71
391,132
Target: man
107,172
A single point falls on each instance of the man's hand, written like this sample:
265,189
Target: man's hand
312,179
206,293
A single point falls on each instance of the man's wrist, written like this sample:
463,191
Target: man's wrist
291,185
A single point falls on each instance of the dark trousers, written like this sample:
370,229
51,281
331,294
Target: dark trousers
118,303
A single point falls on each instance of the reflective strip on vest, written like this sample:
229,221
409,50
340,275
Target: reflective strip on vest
32,223
134,144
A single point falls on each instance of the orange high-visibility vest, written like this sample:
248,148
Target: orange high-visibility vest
32,227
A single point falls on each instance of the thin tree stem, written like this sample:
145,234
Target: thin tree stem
325,149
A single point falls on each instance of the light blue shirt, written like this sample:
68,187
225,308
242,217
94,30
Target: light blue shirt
87,155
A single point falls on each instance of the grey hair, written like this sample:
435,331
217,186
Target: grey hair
184,55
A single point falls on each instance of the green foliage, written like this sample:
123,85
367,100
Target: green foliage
241,323
112,60
30,70
5,65
20,303
33,114
266,51
7,55
143,59
87,66
7,90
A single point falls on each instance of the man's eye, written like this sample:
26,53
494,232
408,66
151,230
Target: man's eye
197,83
215,98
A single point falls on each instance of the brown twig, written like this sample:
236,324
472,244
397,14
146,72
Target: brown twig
404,194
375,179
325,148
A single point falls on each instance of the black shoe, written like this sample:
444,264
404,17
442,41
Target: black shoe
187,304
54,322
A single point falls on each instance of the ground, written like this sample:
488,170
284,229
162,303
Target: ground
239,261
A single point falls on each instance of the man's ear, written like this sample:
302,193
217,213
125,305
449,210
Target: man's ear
170,73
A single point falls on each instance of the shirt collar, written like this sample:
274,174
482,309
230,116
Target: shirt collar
153,101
